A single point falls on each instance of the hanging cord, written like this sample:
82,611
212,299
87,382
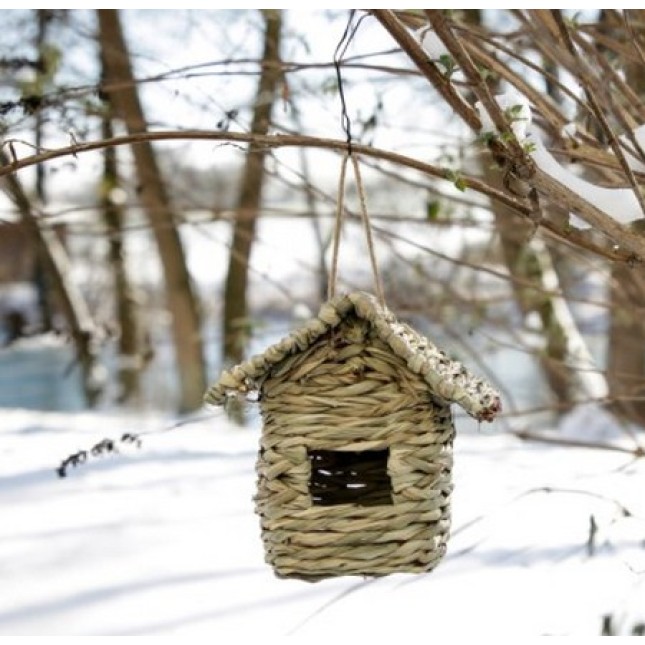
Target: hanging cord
339,54
338,222
340,209
341,50
378,284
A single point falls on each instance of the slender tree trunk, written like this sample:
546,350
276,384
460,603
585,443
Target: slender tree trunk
522,263
566,361
235,322
73,305
41,282
43,18
626,342
130,360
154,197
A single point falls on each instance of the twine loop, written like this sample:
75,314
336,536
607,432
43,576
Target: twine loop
340,210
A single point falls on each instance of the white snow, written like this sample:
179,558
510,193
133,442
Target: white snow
36,343
618,203
163,541
591,423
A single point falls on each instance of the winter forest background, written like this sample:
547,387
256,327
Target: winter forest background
168,192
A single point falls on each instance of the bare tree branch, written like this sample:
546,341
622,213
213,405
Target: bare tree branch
441,83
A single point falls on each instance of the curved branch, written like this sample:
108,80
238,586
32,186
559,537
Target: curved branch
615,231
269,141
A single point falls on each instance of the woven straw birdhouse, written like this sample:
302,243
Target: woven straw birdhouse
355,461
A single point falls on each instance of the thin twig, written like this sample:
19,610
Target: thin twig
440,82
585,76
543,103
633,36
610,73
478,84
626,120
528,435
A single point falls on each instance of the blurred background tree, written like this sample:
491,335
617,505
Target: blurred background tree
182,254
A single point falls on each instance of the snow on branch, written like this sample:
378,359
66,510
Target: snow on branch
620,204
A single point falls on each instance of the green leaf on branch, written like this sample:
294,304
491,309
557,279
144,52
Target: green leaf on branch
448,63
487,137
529,147
455,177
461,185
514,113
433,208
486,73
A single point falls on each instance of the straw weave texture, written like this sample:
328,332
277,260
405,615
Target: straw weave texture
349,392
355,380
446,378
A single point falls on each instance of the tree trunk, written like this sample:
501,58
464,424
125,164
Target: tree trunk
180,298
41,281
566,361
72,302
626,343
235,322
130,359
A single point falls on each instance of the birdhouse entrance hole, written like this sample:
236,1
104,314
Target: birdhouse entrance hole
344,477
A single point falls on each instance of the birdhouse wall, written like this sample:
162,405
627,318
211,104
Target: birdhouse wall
348,392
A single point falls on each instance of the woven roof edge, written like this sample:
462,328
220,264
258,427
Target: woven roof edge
446,378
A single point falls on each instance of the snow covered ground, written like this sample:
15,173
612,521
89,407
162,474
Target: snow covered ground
163,540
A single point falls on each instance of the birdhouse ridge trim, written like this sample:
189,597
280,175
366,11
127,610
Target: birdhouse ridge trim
446,378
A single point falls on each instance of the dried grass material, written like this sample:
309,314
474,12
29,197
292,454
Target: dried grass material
355,380
446,378
348,392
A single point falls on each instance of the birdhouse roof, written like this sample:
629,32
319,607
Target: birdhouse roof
446,378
